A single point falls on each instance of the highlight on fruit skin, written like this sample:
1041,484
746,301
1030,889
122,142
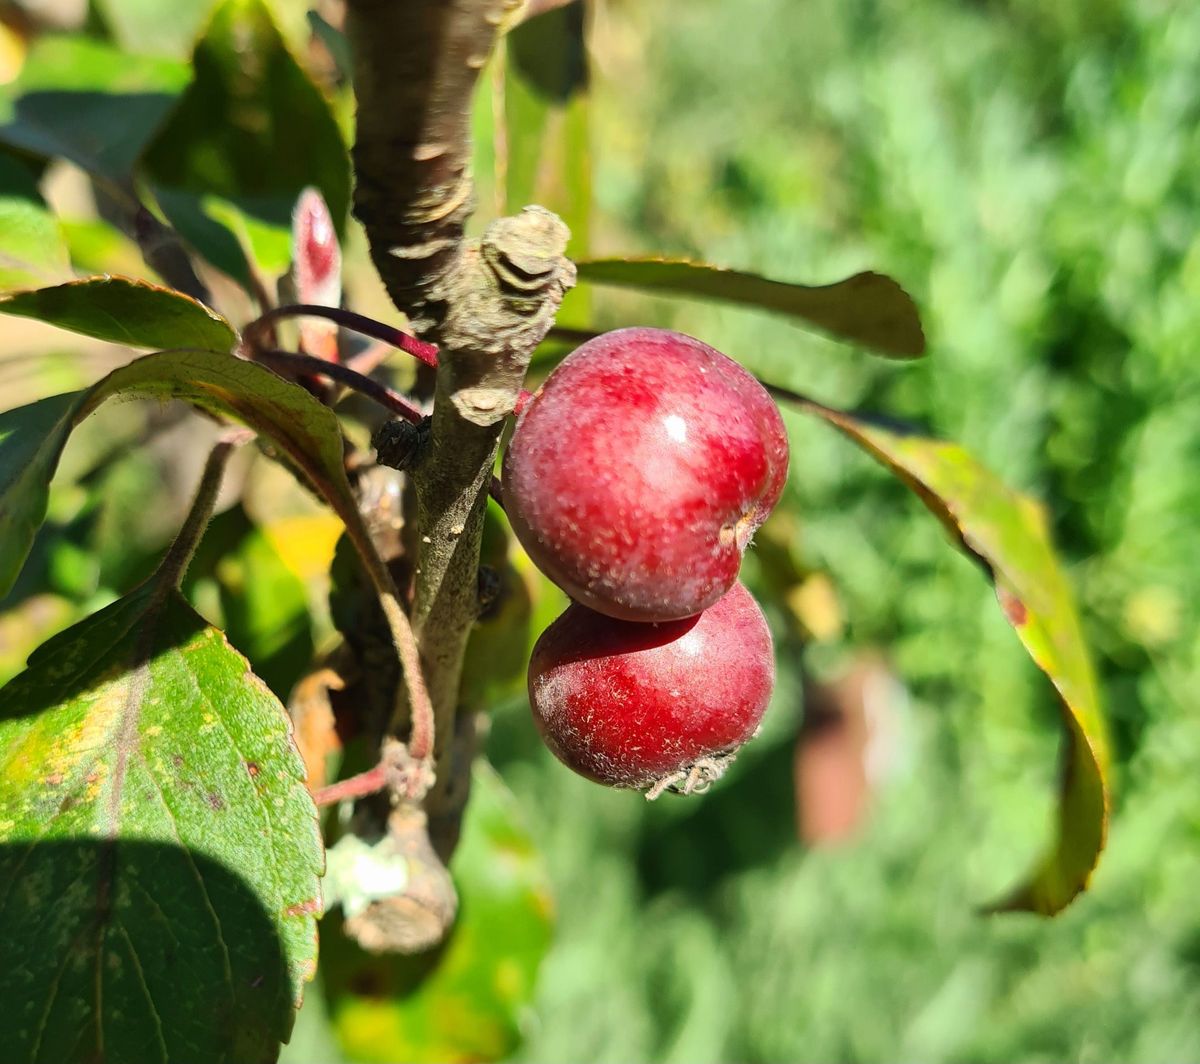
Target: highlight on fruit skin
639,471
653,706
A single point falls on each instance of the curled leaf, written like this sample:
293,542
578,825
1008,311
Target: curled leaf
868,308
125,311
1006,532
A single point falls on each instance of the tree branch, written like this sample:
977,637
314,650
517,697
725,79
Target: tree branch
257,334
415,67
293,364
486,303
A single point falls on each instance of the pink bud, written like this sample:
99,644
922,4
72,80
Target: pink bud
317,262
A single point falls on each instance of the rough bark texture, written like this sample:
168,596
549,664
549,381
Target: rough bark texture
511,285
415,67
487,303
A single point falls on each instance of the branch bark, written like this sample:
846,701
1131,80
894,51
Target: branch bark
486,303
415,67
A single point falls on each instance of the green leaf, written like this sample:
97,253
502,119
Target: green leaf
502,638
545,69
334,40
464,1001
250,133
195,219
125,311
547,126
1006,531
114,528
263,604
159,852
868,308
31,440
95,247
32,437
88,102
32,249
154,27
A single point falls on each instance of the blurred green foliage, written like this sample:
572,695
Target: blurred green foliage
1029,172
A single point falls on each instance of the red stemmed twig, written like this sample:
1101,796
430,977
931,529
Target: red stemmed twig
257,332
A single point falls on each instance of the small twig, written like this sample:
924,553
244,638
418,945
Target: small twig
162,248
421,735
292,364
173,567
256,333
370,782
420,744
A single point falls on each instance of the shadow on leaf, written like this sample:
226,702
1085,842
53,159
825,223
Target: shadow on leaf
131,951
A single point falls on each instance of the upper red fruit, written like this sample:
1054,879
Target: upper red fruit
650,705
639,471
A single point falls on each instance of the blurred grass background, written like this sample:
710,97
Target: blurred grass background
1031,173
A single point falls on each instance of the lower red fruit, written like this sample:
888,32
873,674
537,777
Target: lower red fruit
653,705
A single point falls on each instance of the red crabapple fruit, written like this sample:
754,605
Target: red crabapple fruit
639,471
653,706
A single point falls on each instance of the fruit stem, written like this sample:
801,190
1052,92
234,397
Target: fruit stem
256,332
294,364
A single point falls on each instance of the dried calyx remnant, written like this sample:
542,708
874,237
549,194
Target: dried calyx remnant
486,303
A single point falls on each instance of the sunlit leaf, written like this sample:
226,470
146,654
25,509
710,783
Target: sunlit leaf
305,542
32,437
464,1001
154,27
31,440
89,102
250,133
334,40
1007,533
868,308
32,249
95,247
547,129
125,311
150,789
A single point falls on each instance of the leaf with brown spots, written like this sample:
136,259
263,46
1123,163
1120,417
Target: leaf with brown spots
1006,532
157,899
